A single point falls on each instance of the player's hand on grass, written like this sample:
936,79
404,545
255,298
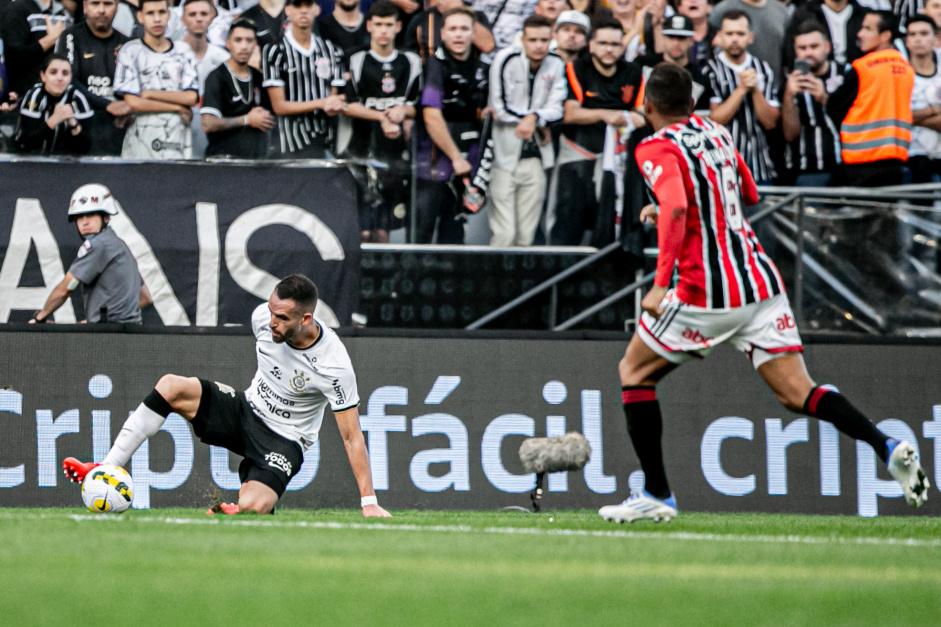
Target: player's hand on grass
652,301
649,215
375,511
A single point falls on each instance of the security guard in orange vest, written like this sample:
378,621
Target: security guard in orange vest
874,105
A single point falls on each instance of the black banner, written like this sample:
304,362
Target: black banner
210,239
444,419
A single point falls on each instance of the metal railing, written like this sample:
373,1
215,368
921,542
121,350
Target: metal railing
787,208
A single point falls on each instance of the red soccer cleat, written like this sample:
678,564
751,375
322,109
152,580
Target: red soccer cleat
76,470
223,508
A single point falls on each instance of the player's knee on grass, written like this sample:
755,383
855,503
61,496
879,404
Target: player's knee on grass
256,497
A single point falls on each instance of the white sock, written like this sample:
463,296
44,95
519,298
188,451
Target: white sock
140,425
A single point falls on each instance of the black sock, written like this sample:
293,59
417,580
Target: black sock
833,407
645,426
156,402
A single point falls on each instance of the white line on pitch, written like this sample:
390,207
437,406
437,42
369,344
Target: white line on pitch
642,535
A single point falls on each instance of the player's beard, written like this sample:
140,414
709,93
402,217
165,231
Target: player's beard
287,336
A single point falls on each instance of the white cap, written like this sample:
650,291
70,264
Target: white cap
91,198
574,17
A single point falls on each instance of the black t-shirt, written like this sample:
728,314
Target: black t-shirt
229,96
344,39
93,64
270,29
705,85
596,91
381,84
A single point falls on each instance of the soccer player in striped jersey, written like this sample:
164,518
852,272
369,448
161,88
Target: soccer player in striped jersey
729,291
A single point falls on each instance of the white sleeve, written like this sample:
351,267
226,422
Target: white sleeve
260,319
126,77
344,394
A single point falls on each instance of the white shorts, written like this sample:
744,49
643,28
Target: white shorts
762,330
158,136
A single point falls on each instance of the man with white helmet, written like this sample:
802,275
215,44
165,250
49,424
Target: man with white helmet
112,289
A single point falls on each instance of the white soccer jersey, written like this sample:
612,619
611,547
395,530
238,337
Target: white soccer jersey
140,67
292,387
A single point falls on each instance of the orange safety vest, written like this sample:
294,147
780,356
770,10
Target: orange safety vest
879,124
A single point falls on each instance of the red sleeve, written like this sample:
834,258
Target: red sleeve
749,187
660,164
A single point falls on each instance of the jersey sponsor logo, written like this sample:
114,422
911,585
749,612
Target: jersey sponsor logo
298,382
381,104
693,335
341,397
159,145
88,55
693,141
276,373
279,461
651,173
785,322
225,389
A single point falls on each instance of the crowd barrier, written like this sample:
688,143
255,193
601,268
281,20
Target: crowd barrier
444,418
210,239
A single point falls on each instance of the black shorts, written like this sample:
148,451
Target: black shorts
225,419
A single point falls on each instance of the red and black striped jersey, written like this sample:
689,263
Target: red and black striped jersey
702,185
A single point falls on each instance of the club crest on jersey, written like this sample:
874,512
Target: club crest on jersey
651,173
388,84
322,68
298,382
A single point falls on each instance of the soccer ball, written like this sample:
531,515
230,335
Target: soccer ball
107,489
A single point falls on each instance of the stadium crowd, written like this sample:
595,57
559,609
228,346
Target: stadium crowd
528,110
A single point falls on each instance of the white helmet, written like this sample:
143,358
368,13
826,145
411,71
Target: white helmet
91,198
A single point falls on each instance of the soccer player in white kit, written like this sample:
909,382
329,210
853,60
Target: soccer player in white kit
729,291
302,368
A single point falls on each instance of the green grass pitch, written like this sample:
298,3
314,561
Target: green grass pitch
332,567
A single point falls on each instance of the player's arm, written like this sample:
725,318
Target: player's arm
348,422
60,294
483,38
187,98
662,170
748,186
144,298
356,110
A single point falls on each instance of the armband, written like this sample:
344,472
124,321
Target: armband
368,500
72,285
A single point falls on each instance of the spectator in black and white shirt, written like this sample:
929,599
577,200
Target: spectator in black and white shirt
813,149
157,78
924,153
29,30
745,98
303,74
233,114
92,48
505,18
382,92
52,113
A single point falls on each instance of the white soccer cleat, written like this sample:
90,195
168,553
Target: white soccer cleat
639,506
905,468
